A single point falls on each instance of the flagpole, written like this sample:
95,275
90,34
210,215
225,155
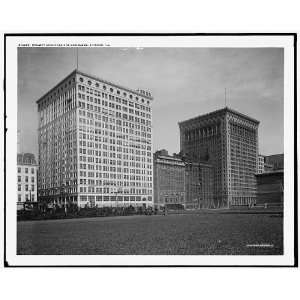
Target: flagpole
77,58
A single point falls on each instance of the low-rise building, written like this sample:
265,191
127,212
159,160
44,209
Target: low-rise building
181,182
270,188
26,178
169,180
276,160
267,163
268,167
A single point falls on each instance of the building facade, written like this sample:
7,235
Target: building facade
260,164
27,178
276,160
198,185
270,163
268,167
95,143
264,164
270,188
180,182
169,180
228,141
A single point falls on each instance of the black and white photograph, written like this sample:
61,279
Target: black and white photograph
150,150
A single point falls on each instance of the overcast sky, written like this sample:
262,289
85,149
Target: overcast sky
185,82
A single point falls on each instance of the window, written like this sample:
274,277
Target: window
26,178
32,187
32,170
19,170
26,170
32,197
19,198
26,187
19,187
81,79
19,178
89,82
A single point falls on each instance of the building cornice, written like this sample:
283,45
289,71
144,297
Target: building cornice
94,78
57,85
113,84
219,112
267,173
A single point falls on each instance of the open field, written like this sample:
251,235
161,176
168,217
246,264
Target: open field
192,234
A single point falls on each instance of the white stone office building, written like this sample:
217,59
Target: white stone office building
95,143
26,178
260,164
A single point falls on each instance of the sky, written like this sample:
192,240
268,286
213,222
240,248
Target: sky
185,83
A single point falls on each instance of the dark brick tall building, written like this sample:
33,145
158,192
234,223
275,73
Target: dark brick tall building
228,141
199,185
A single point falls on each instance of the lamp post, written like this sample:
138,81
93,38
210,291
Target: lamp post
63,194
199,194
65,205
198,198
117,204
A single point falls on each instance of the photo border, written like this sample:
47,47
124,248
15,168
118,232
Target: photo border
294,35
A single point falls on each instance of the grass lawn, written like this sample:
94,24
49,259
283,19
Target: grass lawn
192,234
